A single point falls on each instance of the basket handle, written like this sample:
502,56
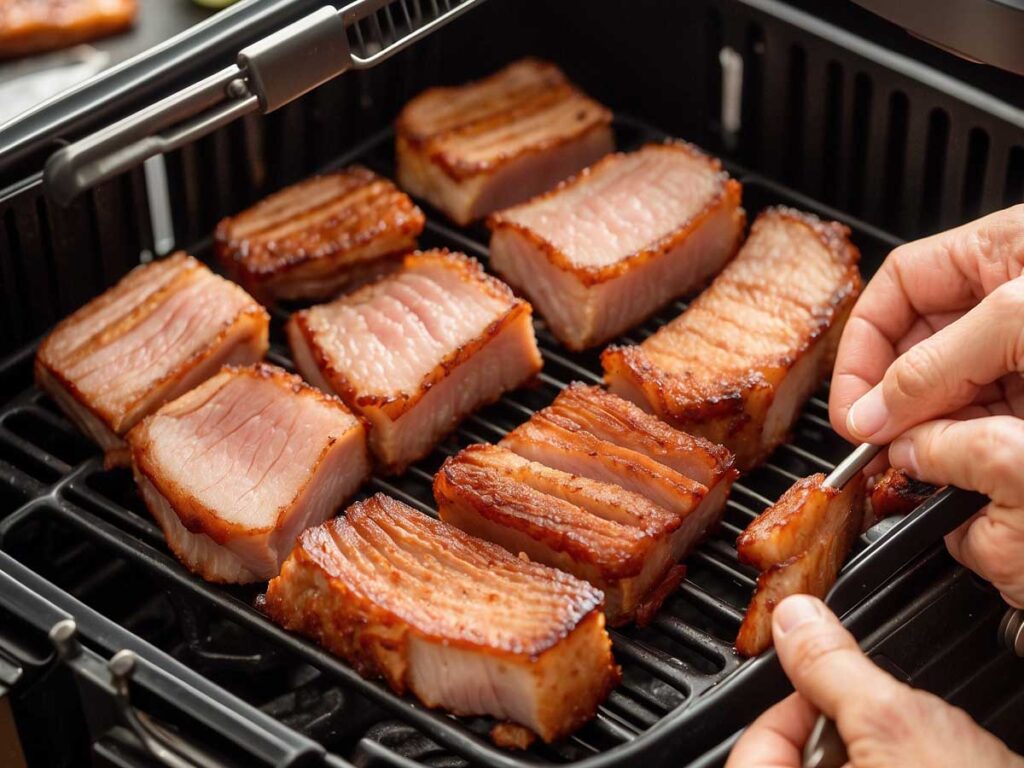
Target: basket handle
267,75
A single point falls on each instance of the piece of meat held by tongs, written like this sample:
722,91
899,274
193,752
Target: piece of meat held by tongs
800,542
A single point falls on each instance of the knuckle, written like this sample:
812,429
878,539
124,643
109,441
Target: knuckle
1000,444
989,551
918,372
889,714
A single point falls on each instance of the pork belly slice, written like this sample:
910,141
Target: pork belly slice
476,148
31,26
456,621
322,235
604,250
894,493
417,351
236,468
739,363
164,329
616,539
595,486
799,544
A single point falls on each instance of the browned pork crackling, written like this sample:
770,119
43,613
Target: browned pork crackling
321,236
458,622
596,487
165,328
604,250
738,364
475,148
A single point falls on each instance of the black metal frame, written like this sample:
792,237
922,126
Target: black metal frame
739,688
48,471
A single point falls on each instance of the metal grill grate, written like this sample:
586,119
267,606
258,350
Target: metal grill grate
75,512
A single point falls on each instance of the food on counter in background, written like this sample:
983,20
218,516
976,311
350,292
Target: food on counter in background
596,487
322,235
475,148
737,365
799,544
234,470
162,330
604,250
894,493
417,351
459,622
32,26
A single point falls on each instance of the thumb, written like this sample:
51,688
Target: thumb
822,659
882,721
945,371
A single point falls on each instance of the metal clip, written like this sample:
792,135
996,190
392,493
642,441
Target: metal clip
121,667
824,747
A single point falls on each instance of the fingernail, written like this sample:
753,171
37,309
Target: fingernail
794,611
902,455
868,415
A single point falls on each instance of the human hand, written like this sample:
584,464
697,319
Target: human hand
933,354
882,721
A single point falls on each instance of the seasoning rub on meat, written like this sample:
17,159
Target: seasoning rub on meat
596,487
322,235
476,148
604,250
165,328
456,621
799,544
738,364
418,350
236,468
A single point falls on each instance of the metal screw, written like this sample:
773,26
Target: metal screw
237,89
1011,631
62,635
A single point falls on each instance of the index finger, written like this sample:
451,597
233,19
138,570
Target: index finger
777,737
941,275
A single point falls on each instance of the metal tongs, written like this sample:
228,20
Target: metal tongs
825,747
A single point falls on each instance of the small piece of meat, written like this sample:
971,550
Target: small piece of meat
570,491
476,148
739,363
165,328
799,544
417,351
895,493
235,469
459,622
315,238
606,249
31,26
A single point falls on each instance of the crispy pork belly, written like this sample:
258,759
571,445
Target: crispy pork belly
738,364
417,351
604,250
895,493
799,544
476,148
459,622
322,235
30,26
236,468
165,328
596,487
616,539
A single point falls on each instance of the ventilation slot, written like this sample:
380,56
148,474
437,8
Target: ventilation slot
974,174
832,140
860,125
797,82
895,157
934,170
1014,188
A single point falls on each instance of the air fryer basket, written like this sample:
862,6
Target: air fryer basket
828,124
